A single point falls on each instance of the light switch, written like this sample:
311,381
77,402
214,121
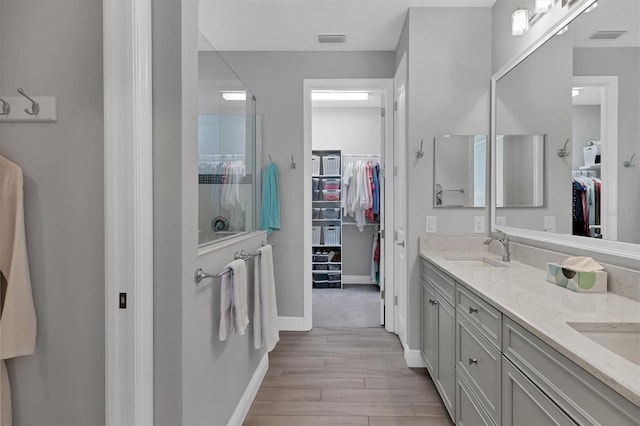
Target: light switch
501,220
550,223
432,225
478,224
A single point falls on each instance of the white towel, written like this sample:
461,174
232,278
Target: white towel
234,315
265,310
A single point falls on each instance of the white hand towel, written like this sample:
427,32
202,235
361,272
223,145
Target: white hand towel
265,310
234,315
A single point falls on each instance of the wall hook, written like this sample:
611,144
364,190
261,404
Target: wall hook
293,163
6,107
630,162
35,107
420,153
562,152
270,160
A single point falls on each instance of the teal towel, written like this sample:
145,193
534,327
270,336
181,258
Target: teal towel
270,199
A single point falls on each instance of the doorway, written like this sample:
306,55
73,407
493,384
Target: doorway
348,134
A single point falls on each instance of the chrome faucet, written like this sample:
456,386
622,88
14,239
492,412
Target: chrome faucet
504,241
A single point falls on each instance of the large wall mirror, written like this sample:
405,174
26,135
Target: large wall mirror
460,170
578,95
226,150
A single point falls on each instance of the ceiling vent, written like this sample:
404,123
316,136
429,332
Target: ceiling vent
331,38
607,35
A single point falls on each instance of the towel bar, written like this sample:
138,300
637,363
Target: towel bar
199,275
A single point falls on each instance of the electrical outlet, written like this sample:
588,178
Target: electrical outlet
478,224
501,220
432,225
550,223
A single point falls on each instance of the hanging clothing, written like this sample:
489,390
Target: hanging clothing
586,196
270,220
17,312
360,191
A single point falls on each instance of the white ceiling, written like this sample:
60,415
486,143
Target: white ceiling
609,15
285,25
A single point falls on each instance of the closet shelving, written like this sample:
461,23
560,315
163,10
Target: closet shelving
326,219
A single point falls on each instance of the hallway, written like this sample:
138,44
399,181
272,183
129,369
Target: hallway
344,377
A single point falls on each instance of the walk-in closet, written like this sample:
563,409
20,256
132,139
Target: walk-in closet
347,207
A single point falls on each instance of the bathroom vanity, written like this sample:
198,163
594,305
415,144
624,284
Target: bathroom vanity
505,346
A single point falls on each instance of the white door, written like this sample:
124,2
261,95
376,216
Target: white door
399,200
381,183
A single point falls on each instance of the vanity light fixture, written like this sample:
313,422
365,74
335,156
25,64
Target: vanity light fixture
234,96
575,92
542,6
520,21
339,96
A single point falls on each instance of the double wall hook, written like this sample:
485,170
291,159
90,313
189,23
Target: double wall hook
562,152
293,163
6,107
35,107
420,153
630,162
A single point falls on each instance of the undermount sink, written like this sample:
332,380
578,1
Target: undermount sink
622,338
475,261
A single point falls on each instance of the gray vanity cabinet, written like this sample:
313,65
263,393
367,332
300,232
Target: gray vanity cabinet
438,332
524,404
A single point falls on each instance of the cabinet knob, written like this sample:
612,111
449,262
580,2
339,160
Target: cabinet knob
473,361
473,311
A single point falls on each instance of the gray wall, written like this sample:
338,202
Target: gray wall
586,127
54,48
198,379
276,78
625,63
448,93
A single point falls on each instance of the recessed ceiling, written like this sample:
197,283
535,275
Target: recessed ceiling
587,96
285,25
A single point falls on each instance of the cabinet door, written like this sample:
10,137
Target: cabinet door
524,404
446,351
429,329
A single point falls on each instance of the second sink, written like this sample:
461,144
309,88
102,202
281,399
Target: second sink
475,261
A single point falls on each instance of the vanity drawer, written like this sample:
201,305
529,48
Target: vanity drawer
484,316
440,281
469,411
583,397
479,360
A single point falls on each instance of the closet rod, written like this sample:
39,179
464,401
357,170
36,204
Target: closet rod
362,155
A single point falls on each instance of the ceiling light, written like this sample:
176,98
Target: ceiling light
542,6
234,96
562,31
575,92
520,21
590,8
340,96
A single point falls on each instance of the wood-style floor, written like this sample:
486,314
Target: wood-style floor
344,377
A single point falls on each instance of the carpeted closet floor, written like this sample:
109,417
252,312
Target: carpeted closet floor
357,305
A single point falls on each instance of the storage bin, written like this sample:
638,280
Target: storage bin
334,256
316,196
331,195
320,276
590,153
331,184
316,213
320,257
331,213
331,235
320,266
334,276
315,182
315,165
333,284
331,164
315,235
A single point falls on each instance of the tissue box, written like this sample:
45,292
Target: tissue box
579,281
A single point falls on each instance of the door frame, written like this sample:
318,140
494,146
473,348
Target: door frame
382,84
608,86
128,234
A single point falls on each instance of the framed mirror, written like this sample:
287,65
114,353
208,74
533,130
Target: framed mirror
460,170
579,86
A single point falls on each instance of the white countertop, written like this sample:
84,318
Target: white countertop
523,294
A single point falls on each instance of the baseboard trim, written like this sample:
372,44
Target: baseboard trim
242,409
413,358
292,324
357,279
